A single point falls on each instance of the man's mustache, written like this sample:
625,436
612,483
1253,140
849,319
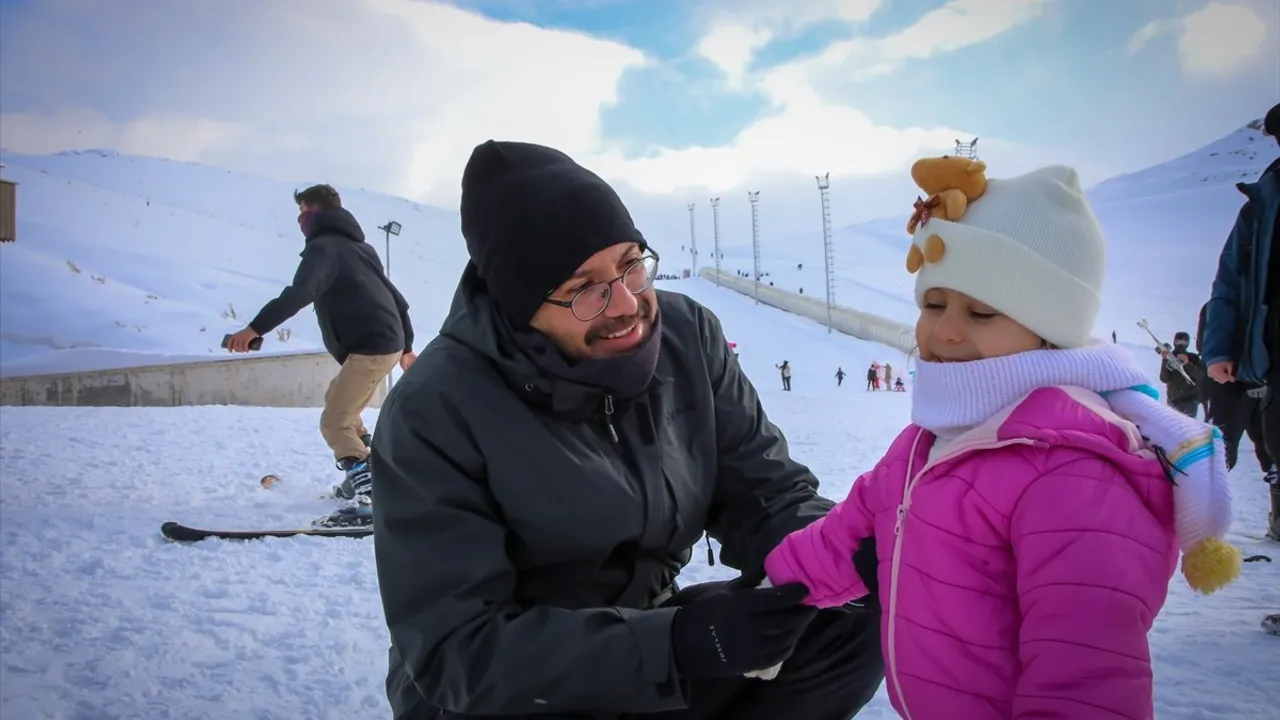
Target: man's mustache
619,324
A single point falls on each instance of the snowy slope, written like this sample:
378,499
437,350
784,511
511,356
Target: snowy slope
101,618
123,256
119,257
1165,226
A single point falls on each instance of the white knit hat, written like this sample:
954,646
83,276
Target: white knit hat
1031,248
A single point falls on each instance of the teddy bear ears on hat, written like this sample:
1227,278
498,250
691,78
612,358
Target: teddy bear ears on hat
951,183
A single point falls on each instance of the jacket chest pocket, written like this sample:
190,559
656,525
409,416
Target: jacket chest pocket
688,469
566,494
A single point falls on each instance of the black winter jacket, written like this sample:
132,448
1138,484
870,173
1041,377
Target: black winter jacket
521,550
359,311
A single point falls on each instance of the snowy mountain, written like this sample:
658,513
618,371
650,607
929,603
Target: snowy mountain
1165,225
120,258
124,258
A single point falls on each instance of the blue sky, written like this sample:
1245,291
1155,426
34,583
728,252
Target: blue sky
674,100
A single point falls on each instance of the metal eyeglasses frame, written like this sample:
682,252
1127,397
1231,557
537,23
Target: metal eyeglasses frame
608,287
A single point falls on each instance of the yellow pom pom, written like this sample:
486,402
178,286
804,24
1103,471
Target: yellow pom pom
1211,565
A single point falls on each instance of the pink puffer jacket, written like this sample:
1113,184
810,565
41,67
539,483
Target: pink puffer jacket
1020,569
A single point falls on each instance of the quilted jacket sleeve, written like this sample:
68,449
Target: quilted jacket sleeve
821,555
1093,569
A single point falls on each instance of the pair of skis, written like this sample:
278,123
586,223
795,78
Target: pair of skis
186,533
356,522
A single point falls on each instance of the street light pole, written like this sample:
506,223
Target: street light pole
391,228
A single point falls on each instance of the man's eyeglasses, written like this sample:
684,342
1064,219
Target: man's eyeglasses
589,302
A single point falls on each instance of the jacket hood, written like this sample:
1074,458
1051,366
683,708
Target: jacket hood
335,221
1252,190
474,321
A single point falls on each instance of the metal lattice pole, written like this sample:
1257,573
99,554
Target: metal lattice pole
693,240
754,197
715,234
967,149
824,185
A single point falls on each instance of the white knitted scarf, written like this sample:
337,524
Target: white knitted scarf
965,394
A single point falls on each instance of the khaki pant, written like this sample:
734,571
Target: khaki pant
348,394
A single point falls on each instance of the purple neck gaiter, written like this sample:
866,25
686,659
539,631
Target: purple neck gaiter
304,222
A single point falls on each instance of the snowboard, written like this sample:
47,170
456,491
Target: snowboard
185,533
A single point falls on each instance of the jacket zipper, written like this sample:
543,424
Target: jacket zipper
608,418
613,436
898,535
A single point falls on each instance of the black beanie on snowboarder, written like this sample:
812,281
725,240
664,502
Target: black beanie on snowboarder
531,216
1271,123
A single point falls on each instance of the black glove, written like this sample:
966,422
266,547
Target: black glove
867,565
734,631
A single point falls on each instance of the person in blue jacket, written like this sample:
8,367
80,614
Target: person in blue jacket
1242,335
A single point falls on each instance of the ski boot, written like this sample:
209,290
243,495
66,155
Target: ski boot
357,490
346,491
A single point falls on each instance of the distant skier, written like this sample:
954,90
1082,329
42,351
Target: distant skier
785,369
898,386
888,376
839,376
364,321
873,378
1113,337
1182,396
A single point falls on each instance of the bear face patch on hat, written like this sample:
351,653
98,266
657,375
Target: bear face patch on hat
1030,247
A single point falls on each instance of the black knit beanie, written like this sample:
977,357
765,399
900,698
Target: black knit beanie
531,216
1271,122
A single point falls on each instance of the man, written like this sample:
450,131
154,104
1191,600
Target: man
1183,396
545,468
1235,408
364,322
1242,338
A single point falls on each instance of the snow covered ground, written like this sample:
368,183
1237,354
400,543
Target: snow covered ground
102,618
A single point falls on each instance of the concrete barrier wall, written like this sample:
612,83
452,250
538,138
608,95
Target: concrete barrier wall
294,380
861,325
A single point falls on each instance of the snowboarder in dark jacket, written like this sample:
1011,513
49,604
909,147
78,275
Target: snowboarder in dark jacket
546,467
364,322
1183,396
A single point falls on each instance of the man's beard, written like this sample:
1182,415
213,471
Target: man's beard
643,315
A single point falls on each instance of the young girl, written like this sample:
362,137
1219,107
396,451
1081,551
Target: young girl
1029,519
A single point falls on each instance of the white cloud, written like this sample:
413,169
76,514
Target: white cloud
1218,40
805,133
736,32
956,25
1145,34
732,48
394,94
388,94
